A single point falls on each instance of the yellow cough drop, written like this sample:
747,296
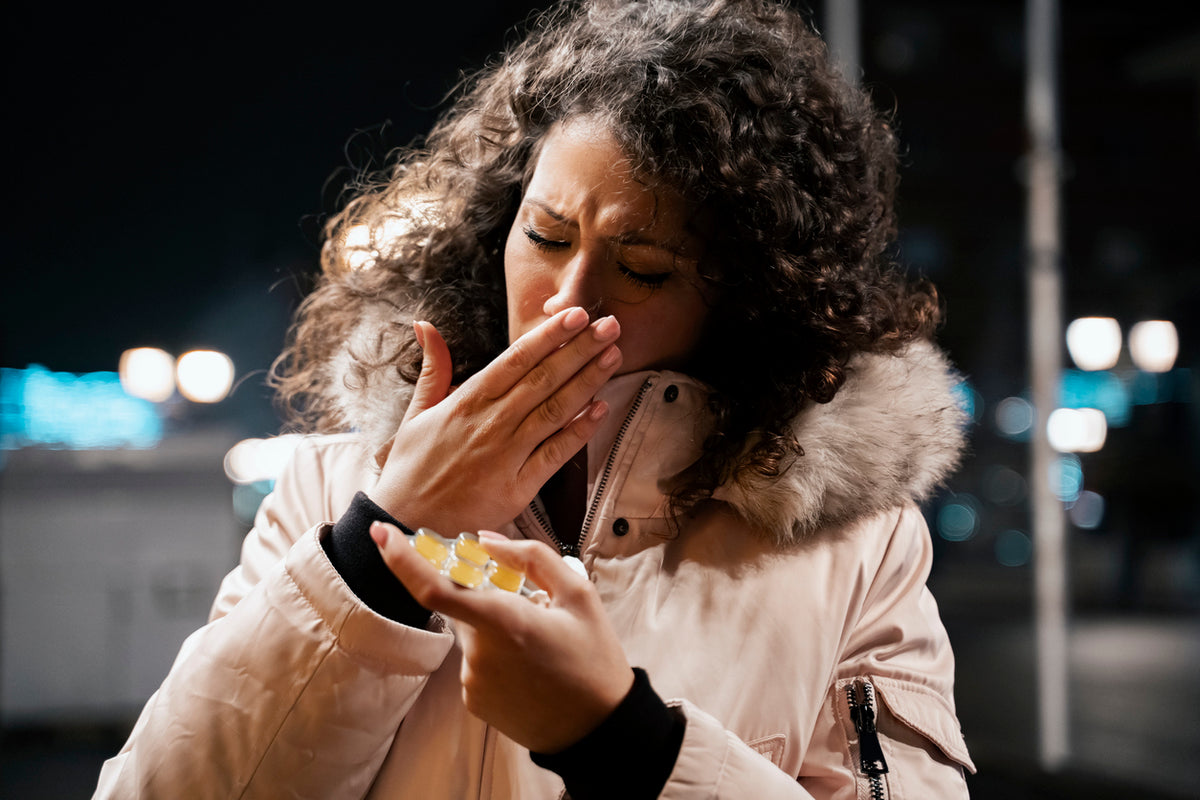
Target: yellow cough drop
502,577
465,574
468,548
431,548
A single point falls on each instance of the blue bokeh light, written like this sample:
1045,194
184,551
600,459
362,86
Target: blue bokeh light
968,399
1013,548
247,497
1102,390
1066,477
958,518
61,410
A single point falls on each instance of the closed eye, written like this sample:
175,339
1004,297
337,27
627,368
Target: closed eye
541,242
645,280
651,280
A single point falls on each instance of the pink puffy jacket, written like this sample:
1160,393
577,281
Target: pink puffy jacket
789,622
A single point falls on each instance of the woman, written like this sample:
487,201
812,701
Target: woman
630,304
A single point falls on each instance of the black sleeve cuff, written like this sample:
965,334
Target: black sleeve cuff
356,558
630,755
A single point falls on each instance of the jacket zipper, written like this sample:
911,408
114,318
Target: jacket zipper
575,549
870,754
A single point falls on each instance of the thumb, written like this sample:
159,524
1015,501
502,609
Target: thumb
433,384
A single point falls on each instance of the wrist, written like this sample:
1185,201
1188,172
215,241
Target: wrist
357,560
642,733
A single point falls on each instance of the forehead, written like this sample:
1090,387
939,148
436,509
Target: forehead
583,174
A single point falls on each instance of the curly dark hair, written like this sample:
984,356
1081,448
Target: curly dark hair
732,102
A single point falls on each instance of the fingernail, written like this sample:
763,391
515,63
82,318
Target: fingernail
575,319
379,534
610,356
607,328
598,410
420,333
492,535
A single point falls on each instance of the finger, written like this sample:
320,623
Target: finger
528,351
560,408
554,371
540,563
437,370
556,450
433,590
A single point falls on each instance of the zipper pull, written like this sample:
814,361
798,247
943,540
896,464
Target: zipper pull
870,752
575,564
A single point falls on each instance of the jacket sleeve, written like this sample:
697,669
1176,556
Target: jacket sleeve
899,664
295,688
899,647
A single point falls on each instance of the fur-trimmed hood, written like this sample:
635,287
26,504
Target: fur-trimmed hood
372,401
892,433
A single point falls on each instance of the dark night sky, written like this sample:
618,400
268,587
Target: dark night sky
166,166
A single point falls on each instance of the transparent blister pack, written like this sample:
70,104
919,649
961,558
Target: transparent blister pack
467,562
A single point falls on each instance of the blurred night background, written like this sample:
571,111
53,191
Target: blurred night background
169,168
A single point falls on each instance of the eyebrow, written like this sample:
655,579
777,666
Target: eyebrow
630,239
550,212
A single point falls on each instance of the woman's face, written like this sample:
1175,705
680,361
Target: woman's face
589,233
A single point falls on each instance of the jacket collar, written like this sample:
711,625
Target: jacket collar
892,434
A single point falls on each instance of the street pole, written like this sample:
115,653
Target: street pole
842,36
1044,285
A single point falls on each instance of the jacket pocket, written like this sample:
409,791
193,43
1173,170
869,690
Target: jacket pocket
770,748
904,740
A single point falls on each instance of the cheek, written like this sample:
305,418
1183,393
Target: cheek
511,260
661,335
521,286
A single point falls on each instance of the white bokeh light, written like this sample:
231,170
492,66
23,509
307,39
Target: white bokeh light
1077,430
1154,345
148,373
1094,342
204,376
358,253
1014,416
252,460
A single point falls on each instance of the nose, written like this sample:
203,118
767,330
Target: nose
575,284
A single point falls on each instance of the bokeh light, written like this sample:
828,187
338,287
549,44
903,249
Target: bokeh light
61,410
247,497
969,400
1004,486
148,373
1013,548
1154,345
204,376
1066,477
958,518
364,244
1014,417
253,460
1077,430
1094,342
1102,389
358,253
1087,511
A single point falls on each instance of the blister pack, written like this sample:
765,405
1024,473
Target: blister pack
467,562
